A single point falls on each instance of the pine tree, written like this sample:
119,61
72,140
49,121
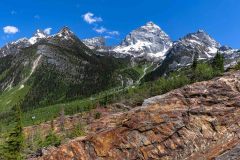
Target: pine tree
194,67
14,143
195,61
218,63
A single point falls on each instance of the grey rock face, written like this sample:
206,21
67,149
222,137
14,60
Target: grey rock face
183,51
232,154
95,43
148,41
231,56
14,47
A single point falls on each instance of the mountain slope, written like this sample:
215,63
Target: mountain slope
59,68
231,56
198,121
182,53
148,41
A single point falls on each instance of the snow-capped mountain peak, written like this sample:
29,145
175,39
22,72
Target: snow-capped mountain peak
37,36
21,40
150,26
14,47
95,42
184,50
40,34
200,39
200,31
65,33
148,41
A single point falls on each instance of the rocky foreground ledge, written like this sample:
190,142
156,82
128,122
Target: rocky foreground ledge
199,121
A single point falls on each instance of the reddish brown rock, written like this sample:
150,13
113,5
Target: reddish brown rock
199,121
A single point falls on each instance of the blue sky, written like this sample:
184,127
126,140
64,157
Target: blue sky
116,18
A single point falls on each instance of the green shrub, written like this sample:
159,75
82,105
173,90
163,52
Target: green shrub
203,72
77,131
218,64
51,140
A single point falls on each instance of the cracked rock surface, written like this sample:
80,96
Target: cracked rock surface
199,121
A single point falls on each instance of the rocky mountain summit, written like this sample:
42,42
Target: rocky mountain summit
198,121
14,48
95,43
198,44
148,41
37,37
151,43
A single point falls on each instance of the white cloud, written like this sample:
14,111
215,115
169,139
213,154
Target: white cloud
107,37
100,30
10,30
90,18
114,33
47,30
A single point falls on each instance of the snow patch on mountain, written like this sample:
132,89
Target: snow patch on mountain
37,36
65,34
16,46
201,42
231,56
148,41
96,42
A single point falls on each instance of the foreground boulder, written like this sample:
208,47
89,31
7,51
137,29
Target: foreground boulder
199,121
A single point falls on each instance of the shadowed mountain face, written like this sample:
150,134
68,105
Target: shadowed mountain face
199,121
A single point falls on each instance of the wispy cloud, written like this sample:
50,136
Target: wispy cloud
47,30
90,18
37,16
107,37
100,30
114,33
10,30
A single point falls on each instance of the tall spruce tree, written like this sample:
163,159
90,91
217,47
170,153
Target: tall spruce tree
195,61
14,144
218,63
194,66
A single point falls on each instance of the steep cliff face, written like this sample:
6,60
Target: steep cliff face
199,121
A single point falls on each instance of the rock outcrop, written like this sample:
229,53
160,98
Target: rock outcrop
199,121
